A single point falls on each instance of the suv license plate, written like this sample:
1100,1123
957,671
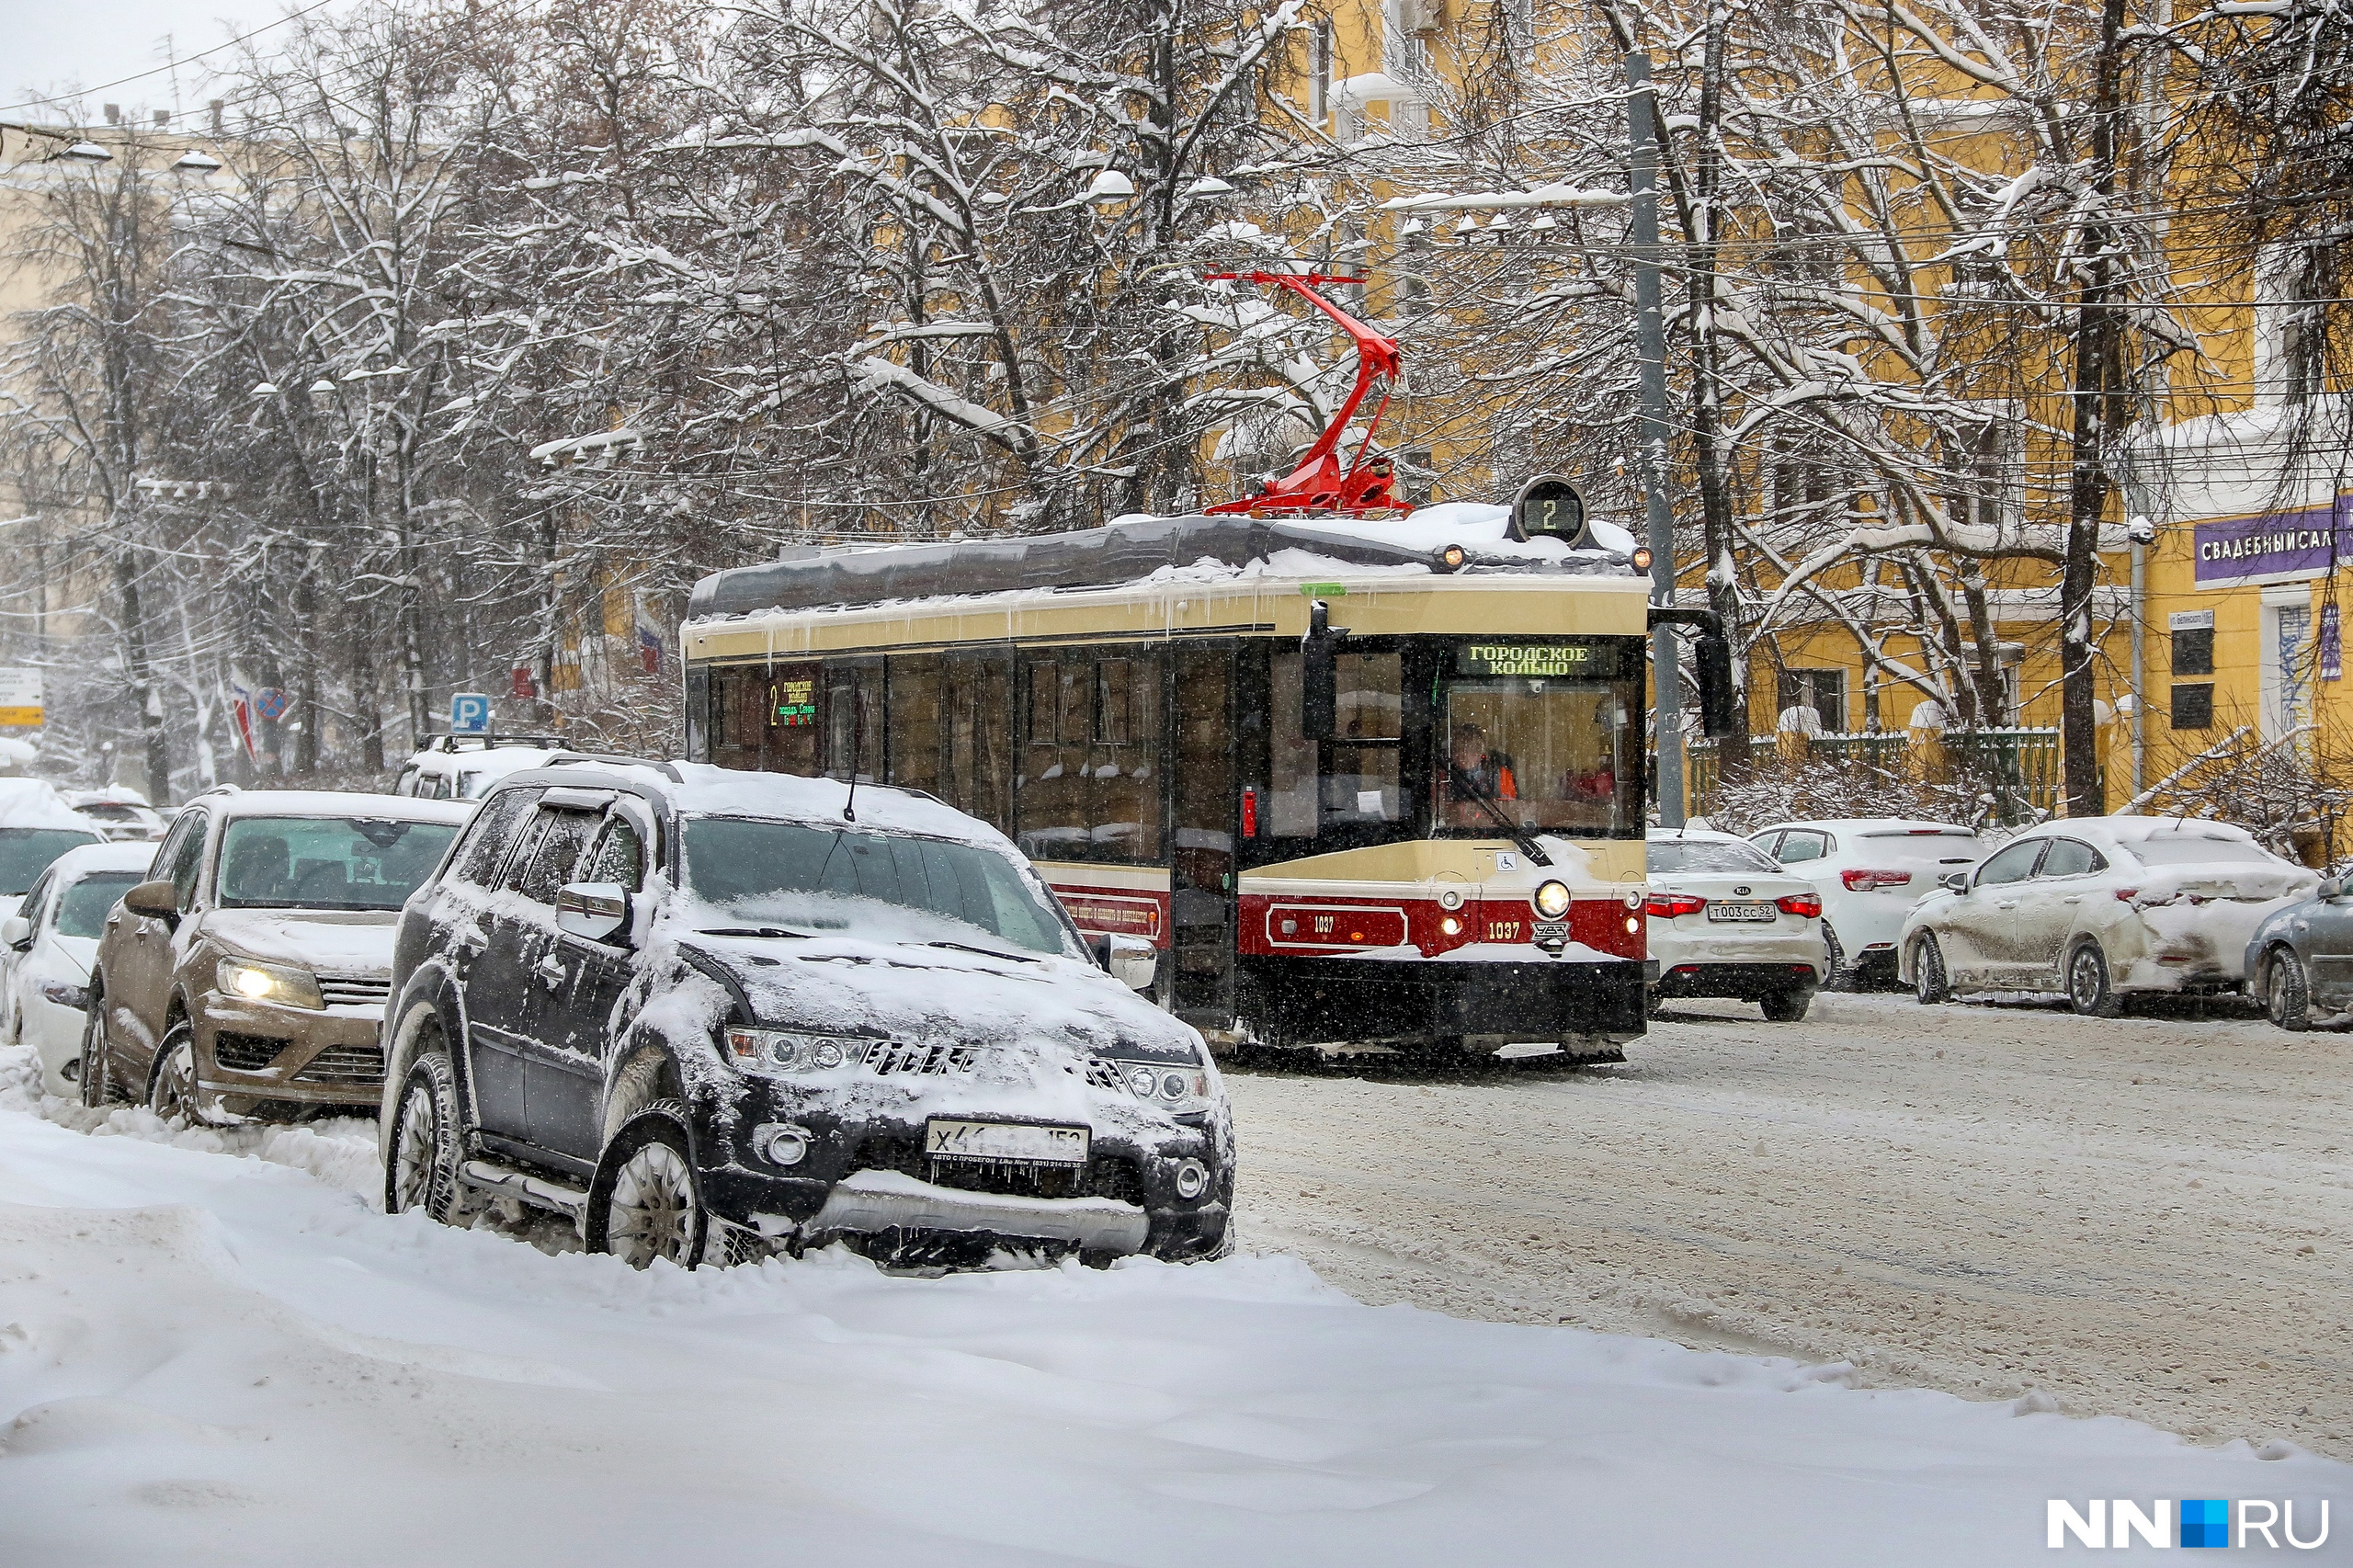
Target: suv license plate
1741,911
945,1139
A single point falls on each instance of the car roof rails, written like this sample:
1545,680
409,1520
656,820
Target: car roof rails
219,789
614,759
489,738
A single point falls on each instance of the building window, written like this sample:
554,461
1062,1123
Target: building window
1825,691
1319,72
1519,28
2193,706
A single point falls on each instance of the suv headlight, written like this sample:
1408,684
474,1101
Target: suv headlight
1170,1086
1552,900
282,983
778,1052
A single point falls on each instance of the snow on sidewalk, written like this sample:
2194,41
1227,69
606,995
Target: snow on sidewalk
213,1360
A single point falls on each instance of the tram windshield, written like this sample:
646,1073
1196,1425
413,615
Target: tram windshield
1545,735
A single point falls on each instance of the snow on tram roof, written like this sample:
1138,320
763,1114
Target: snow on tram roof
1138,549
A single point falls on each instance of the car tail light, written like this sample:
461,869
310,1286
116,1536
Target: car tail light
1668,905
1872,882
1805,906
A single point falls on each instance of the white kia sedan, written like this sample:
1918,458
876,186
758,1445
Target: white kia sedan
1869,872
1725,920
45,949
2100,908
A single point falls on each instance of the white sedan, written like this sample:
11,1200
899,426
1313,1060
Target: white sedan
46,948
1725,920
2102,907
1869,872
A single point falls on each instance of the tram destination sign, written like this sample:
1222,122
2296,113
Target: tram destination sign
1536,661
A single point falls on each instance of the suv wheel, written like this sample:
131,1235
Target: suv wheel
2089,991
426,1143
1930,983
646,1201
171,1084
2287,994
1787,1006
96,1076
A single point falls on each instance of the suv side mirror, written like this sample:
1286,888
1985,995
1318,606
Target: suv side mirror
2331,889
1955,882
17,932
594,911
154,899
1131,960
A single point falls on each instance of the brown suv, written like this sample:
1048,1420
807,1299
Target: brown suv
247,978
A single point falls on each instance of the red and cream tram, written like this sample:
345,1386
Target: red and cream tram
1358,780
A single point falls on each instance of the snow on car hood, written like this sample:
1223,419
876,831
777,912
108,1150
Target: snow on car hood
1035,1026
914,993
353,942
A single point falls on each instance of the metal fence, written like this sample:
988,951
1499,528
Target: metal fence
2019,768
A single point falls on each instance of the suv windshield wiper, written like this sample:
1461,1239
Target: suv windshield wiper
753,931
984,952
1519,836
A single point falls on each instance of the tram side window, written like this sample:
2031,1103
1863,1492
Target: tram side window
1354,780
913,721
1089,781
790,715
765,718
736,696
854,722
977,704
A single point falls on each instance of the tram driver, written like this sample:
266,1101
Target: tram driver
1477,771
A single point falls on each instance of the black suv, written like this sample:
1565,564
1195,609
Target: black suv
710,1014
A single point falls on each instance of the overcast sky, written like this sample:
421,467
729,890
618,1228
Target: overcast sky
49,46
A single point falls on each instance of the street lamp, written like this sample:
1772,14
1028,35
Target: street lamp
195,163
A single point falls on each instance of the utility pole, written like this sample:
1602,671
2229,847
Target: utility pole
1650,343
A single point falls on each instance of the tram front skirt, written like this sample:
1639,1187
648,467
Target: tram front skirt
1589,1008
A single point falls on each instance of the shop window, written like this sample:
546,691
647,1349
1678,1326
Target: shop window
2193,706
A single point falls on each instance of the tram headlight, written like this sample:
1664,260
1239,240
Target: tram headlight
1552,900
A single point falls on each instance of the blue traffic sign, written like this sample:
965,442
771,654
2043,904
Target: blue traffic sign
470,713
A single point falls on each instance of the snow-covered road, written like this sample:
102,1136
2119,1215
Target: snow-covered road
2143,1216
210,1358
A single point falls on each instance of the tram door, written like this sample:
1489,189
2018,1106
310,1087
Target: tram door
1201,805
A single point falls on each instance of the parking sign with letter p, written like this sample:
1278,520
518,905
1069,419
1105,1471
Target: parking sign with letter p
470,713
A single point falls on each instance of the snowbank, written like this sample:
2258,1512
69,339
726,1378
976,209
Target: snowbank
209,1360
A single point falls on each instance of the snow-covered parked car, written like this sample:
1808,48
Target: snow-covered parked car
46,948
2100,908
118,814
1726,921
247,979
1869,872
36,827
710,1014
463,767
